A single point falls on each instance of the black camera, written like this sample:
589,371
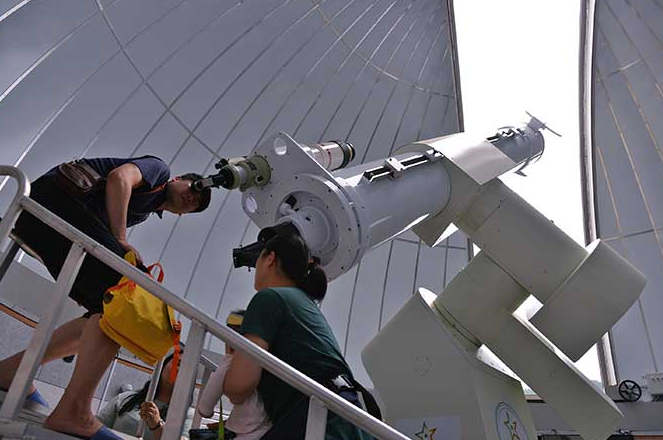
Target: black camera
247,256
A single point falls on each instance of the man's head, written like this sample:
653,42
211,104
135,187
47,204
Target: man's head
181,198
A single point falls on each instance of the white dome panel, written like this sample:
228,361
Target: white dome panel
624,143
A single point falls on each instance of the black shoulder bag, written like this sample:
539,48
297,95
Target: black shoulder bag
78,179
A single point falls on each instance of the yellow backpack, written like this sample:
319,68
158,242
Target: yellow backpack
139,321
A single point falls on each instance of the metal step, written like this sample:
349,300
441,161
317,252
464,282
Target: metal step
32,412
29,425
20,430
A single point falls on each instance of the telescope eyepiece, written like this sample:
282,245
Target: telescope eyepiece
248,255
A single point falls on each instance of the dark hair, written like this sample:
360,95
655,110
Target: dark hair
295,262
139,397
205,194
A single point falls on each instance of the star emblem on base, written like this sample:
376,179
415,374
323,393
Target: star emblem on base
426,433
512,426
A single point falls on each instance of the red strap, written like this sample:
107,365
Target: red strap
176,352
158,265
121,285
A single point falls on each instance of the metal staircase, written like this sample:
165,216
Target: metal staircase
15,424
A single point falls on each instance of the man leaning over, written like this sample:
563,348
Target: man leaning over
134,189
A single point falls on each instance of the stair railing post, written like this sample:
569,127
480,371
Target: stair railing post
186,380
42,335
15,208
197,418
316,423
7,259
151,392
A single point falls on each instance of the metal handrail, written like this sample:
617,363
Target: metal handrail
201,322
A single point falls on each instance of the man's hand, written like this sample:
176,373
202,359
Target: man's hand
150,413
127,247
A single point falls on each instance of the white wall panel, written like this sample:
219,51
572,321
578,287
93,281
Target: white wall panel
365,311
431,263
236,65
399,279
382,141
163,139
130,18
127,127
337,304
614,158
39,96
89,109
181,70
644,252
166,36
225,233
626,115
7,5
50,24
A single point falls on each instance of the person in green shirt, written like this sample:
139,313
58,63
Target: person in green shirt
284,318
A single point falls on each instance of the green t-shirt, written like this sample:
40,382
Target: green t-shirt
298,334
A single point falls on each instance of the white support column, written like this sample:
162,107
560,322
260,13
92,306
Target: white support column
186,379
316,423
151,392
42,335
207,372
107,384
9,220
7,258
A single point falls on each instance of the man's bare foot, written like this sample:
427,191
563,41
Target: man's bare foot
73,423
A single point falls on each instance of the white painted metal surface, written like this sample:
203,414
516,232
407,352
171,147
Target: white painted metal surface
411,377
354,215
316,421
342,215
477,157
523,253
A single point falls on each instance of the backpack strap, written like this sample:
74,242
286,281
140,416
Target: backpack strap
371,404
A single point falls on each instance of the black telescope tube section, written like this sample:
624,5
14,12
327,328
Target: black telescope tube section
348,152
223,178
247,256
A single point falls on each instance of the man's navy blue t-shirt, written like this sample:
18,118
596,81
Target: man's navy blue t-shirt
155,172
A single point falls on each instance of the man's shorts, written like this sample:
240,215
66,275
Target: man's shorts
94,276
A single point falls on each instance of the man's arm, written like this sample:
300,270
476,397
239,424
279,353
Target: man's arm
244,374
119,184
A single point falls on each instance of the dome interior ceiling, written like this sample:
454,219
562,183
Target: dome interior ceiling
192,81
627,131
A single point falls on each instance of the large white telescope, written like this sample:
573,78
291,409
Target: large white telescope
430,363
342,214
